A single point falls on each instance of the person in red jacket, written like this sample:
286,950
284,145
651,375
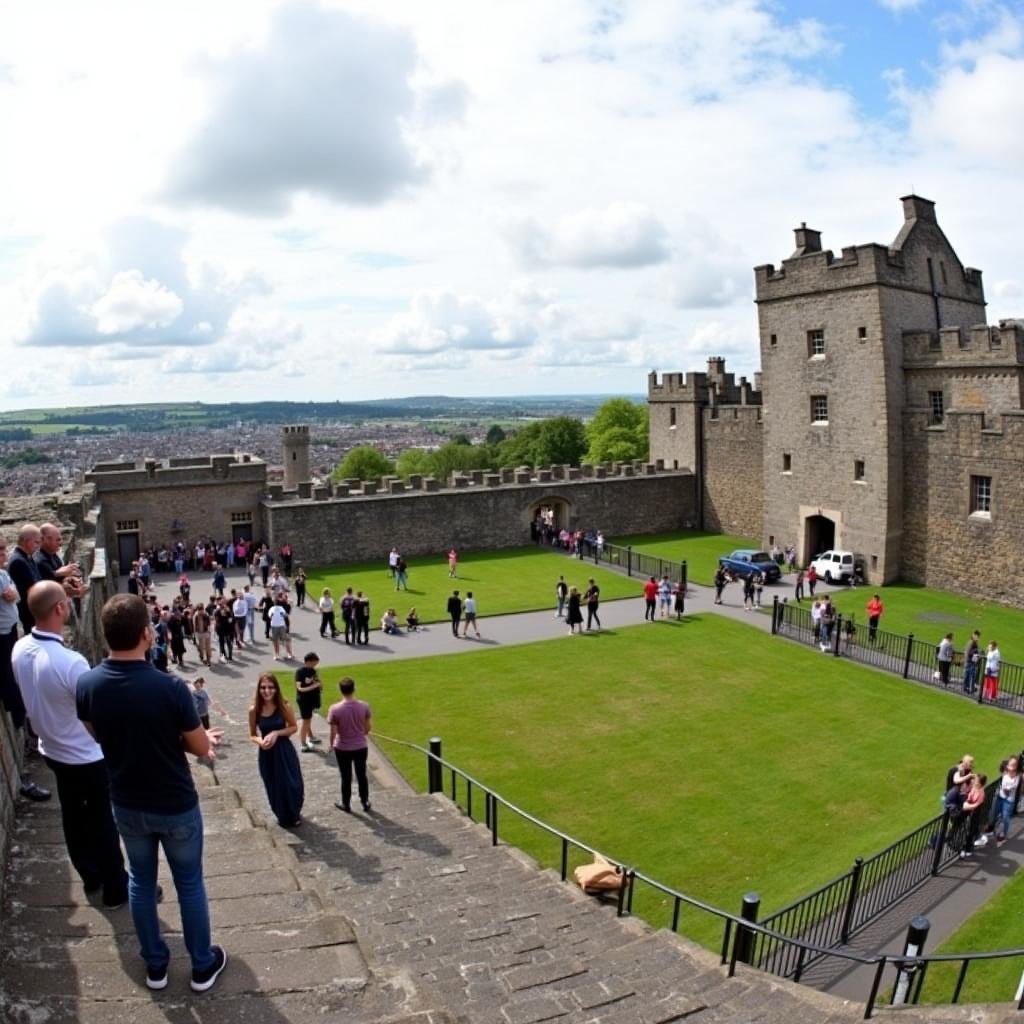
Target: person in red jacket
650,598
812,580
875,609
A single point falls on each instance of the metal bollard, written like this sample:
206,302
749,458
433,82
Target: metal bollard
744,937
917,933
435,782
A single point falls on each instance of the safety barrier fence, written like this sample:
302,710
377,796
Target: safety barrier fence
761,944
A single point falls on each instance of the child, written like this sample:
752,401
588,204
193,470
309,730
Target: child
412,620
201,699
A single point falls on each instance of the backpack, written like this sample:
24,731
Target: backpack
599,877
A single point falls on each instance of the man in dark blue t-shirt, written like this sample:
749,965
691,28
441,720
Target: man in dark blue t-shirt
145,722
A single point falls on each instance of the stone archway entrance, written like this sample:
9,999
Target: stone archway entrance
552,511
819,536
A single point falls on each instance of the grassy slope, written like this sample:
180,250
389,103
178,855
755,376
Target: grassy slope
516,580
711,770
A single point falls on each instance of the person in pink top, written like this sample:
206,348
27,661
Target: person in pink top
349,720
453,564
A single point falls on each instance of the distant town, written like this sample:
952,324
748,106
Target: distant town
47,450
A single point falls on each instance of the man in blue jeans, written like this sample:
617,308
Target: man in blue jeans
146,722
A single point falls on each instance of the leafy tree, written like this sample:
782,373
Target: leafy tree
414,460
618,432
557,440
453,457
363,462
495,435
462,439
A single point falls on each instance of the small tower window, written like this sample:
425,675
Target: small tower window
816,343
819,408
858,469
787,462
935,407
773,340
295,455
862,334
981,495
672,416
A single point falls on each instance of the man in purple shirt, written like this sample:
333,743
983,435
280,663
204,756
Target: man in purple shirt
349,720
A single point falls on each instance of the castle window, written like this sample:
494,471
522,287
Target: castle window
241,517
787,462
672,417
935,407
862,334
981,495
819,408
858,469
816,343
127,525
773,340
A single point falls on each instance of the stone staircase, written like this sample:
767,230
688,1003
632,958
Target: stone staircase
407,914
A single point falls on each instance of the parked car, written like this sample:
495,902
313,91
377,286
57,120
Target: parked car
834,566
746,562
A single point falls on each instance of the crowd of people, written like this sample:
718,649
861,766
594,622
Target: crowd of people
205,554
964,799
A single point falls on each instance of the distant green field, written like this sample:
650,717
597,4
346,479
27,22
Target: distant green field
700,549
635,739
514,580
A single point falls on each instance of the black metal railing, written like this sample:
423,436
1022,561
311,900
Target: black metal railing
637,563
906,656
745,940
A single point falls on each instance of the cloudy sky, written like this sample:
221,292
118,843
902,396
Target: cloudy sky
302,200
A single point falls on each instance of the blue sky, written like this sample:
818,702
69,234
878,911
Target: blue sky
359,200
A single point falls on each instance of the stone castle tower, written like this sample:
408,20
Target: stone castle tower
295,442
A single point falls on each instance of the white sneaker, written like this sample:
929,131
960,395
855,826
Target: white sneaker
981,841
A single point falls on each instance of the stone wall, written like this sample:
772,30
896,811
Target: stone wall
11,752
945,545
733,465
478,515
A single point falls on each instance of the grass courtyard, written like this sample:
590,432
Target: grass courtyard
703,753
513,580
700,549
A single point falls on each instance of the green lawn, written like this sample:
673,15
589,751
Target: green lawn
996,926
704,753
514,580
930,614
700,549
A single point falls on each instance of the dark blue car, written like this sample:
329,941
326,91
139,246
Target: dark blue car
747,562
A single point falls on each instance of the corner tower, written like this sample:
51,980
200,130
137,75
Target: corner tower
831,339
295,442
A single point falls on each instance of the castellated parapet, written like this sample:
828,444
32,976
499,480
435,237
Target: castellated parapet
477,511
296,455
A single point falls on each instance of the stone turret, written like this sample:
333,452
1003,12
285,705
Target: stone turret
295,442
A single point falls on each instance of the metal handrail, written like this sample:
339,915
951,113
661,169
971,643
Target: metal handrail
735,925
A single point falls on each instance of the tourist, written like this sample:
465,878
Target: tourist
285,551
350,725
828,620
279,630
973,799
219,580
412,621
47,673
401,575
252,568
944,655
469,615
326,606
650,599
300,587
593,599
561,595
10,695
679,595
665,595
201,699
960,772
278,584
348,606
798,589
455,611
251,604
264,565
224,627
721,578
145,723
574,615
176,637
748,593
812,580
816,620
361,618
271,726
393,559
791,557
453,564
51,565
240,613
875,608
1005,803
308,692
758,589
972,661
201,634
993,660
24,572
184,587
266,606
389,622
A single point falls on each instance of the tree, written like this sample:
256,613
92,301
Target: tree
462,439
495,435
562,439
363,462
414,460
618,432
453,457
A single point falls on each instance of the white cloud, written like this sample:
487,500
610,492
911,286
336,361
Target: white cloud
132,302
621,234
320,107
899,6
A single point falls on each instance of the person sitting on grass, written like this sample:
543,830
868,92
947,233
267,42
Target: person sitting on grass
389,622
412,621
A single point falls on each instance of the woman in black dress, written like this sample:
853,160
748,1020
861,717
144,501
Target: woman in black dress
271,725
574,617
300,588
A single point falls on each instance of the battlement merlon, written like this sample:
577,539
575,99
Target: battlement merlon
991,436
812,270
982,345
299,430
716,387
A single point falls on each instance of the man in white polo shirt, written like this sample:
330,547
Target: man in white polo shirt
47,672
